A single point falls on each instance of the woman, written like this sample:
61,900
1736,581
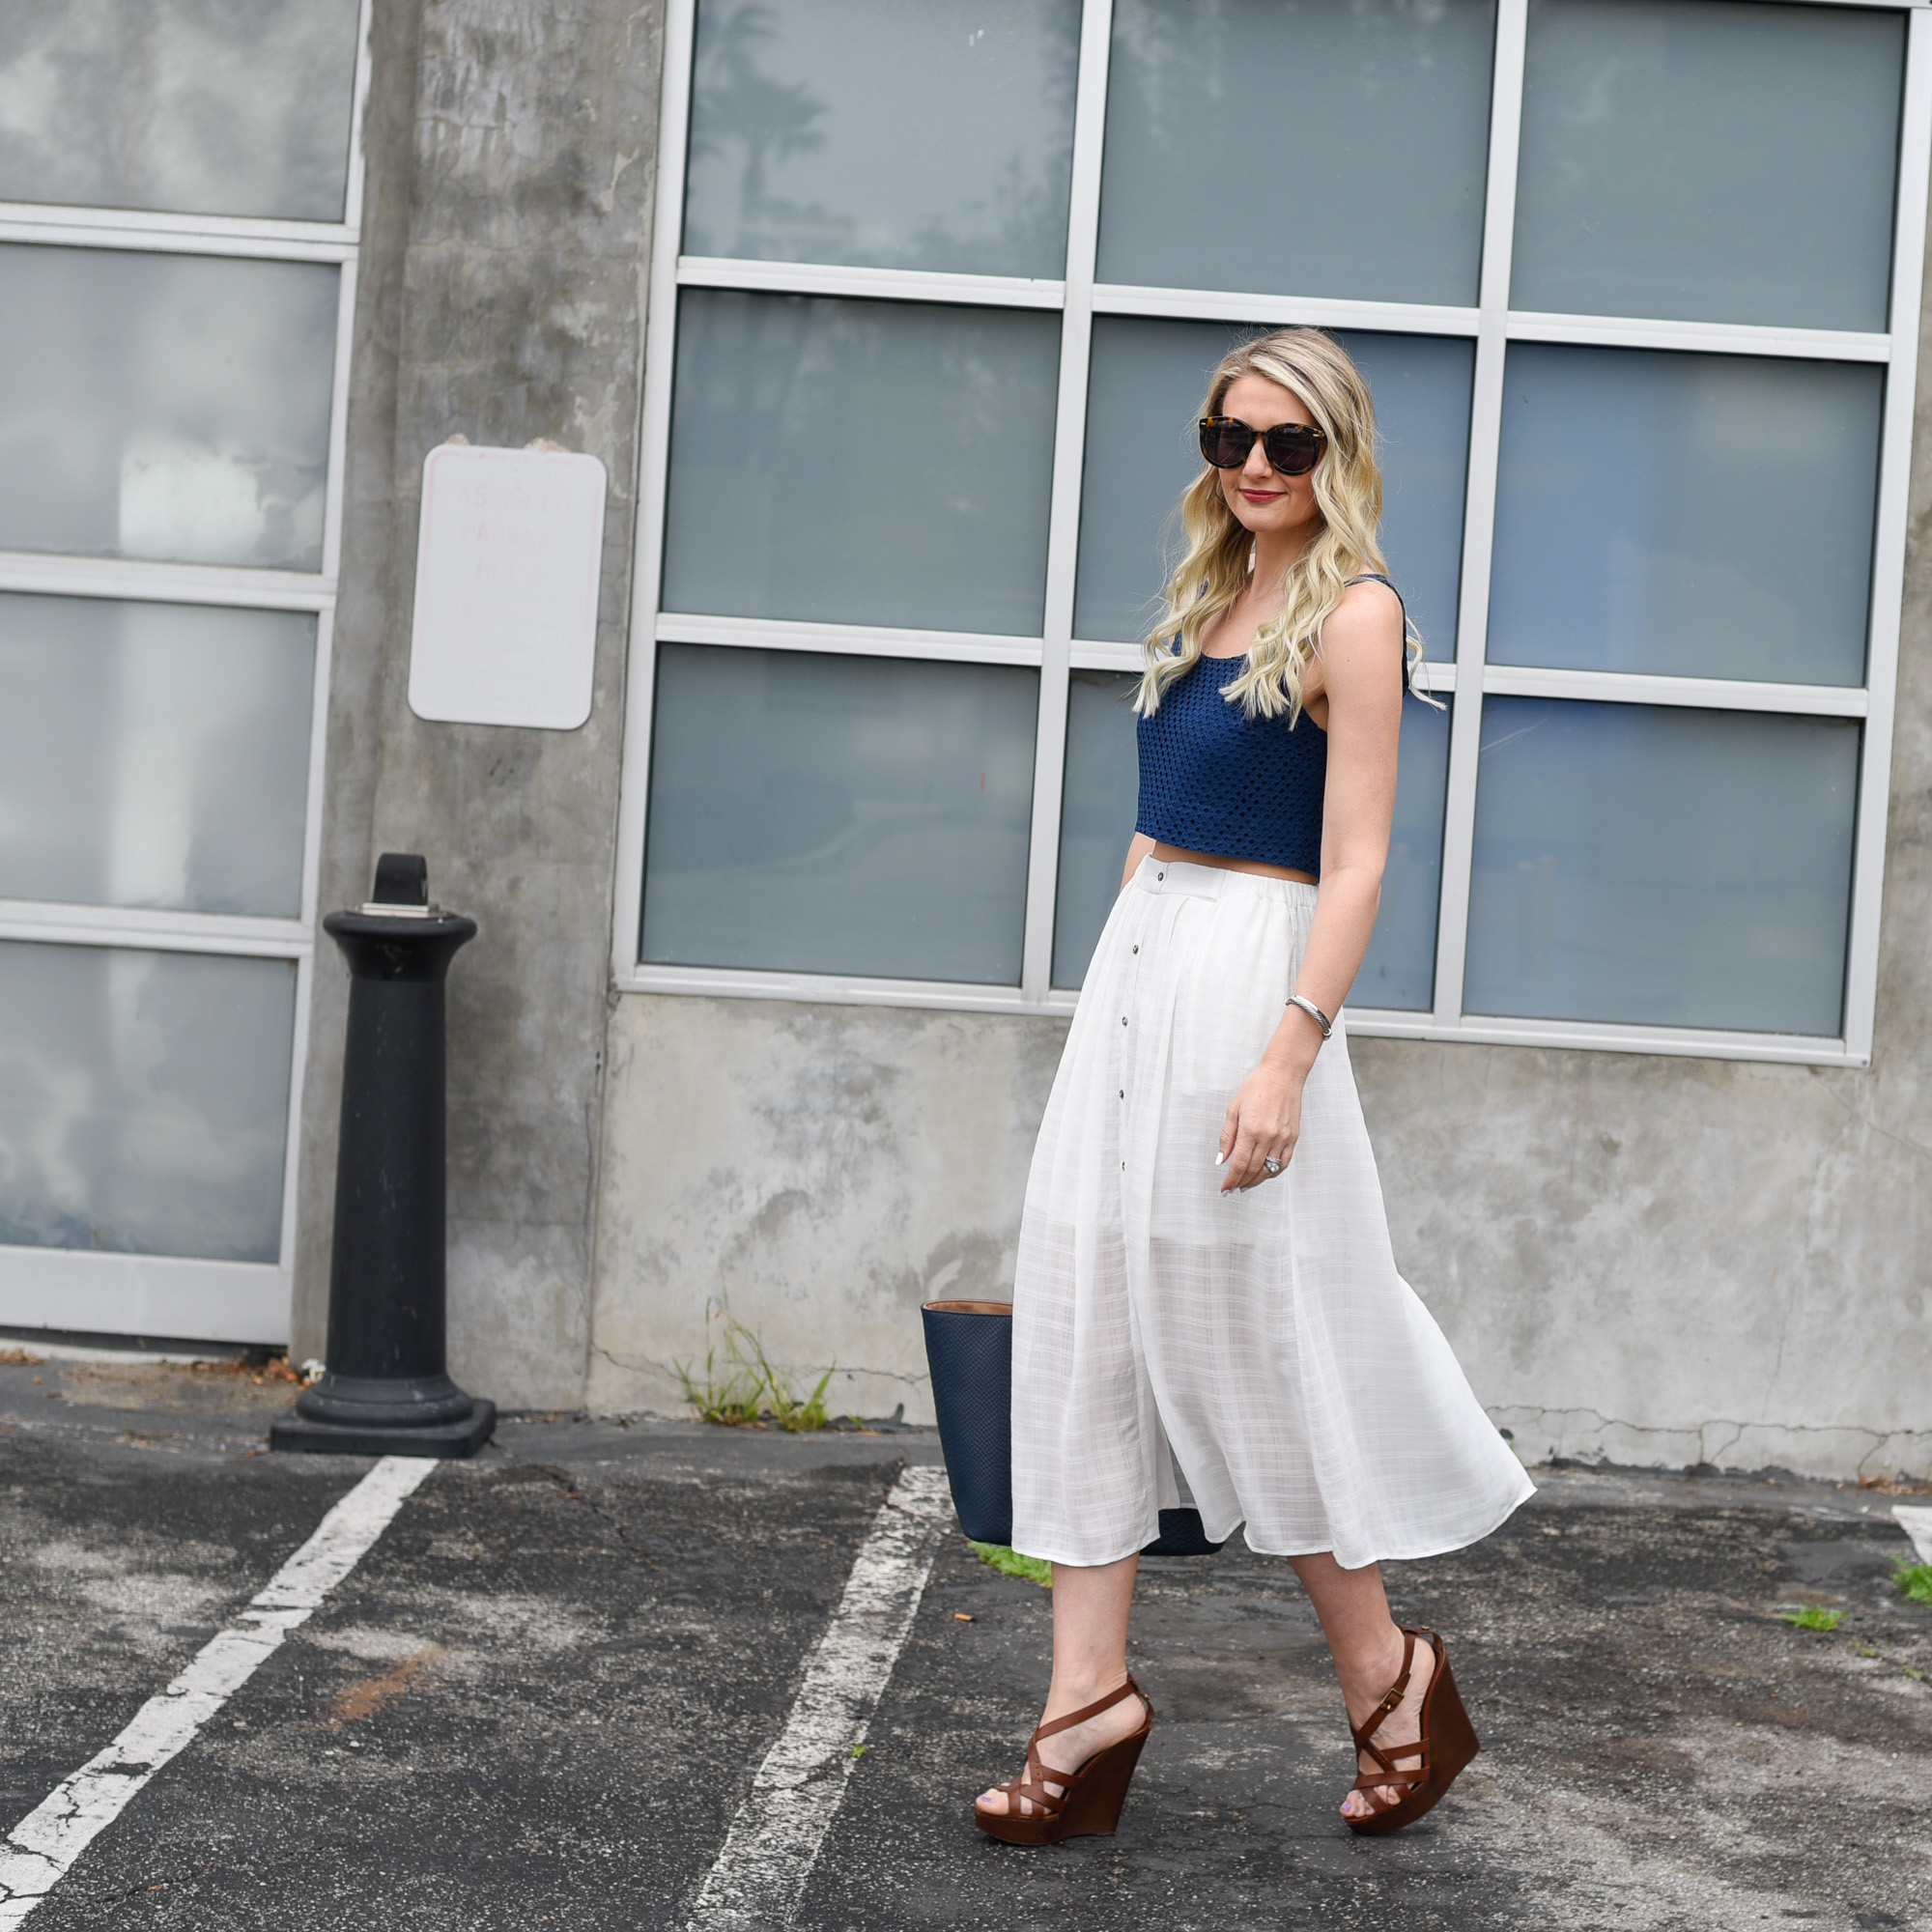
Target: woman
1206,1294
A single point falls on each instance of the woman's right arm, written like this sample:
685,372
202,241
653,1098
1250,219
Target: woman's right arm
1142,845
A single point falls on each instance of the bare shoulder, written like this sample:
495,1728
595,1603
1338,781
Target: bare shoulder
1363,633
1369,613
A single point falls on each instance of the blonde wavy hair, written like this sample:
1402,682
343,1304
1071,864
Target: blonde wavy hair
1214,570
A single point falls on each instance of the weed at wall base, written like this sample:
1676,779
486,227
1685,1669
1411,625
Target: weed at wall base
748,1392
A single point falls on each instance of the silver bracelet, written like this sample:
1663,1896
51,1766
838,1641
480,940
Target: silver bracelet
1313,1011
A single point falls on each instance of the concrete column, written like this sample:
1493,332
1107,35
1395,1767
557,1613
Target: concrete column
512,151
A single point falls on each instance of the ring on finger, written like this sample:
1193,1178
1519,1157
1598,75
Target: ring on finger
1270,1162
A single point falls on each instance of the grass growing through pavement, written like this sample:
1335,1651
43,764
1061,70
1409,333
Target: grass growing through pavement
744,1391
1010,1563
1814,1617
1915,1580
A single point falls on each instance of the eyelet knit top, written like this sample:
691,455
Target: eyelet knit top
1215,779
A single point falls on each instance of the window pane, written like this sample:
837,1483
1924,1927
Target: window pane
1099,800
1649,515
1399,971
860,463
154,754
1709,161
1678,867
164,406
1144,394
144,1100
818,813
929,137
195,106
1298,147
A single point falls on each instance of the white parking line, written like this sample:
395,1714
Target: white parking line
37,1851
1916,1522
775,1840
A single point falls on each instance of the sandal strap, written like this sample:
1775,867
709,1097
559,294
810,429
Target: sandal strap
1374,1722
1128,1689
1031,1785
1045,1805
1368,1787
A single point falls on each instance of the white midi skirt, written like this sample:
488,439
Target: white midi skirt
1255,1353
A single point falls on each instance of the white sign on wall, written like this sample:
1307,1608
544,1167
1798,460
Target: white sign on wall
507,563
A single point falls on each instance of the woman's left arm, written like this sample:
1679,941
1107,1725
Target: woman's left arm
1362,679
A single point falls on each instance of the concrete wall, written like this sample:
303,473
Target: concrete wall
1652,1260
813,1171
511,172
1657,1260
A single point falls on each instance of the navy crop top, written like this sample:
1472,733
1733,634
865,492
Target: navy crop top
1215,779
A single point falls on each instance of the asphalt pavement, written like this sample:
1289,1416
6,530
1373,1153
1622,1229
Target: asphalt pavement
542,1696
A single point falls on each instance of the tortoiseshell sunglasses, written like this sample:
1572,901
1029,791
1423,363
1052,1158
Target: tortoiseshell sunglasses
1293,448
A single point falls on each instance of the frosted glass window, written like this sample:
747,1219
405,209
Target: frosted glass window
1681,868
1298,147
192,106
861,462
821,814
144,1100
1398,969
1144,395
1100,801
154,754
1709,161
931,136
164,406
1699,516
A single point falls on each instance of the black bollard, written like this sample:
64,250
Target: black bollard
387,1390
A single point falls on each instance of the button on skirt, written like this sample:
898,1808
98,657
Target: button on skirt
1255,1353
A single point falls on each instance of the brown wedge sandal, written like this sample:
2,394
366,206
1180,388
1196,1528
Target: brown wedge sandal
1089,1800
1448,1742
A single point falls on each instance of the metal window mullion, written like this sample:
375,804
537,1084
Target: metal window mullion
285,1252
145,930
355,179
1281,310
1479,506
1861,954
315,794
1724,339
1604,1037
137,579
653,466
844,281
1089,654
1703,693
161,1295
338,422
327,243
844,989
1063,540
779,633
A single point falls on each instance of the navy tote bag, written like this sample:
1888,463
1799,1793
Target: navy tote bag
969,1347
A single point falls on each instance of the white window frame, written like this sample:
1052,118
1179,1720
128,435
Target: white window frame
1492,326
168,1296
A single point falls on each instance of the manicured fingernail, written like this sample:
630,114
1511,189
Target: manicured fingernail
1219,1158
